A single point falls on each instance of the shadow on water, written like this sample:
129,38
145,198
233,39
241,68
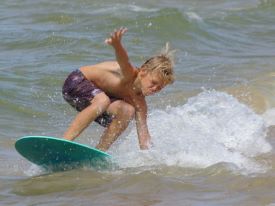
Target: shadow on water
60,182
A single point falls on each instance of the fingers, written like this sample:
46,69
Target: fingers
108,41
121,31
116,35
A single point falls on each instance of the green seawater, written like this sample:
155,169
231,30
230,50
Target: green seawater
222,46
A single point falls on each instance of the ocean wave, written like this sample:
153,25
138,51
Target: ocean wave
211,128
46,41
123,8
258,93
57,18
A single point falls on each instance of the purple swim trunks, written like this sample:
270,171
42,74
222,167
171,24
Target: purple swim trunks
79,91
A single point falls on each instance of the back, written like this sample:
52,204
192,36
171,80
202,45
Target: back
108,77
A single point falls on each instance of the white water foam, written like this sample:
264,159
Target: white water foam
35,170
269,117
124,8
212,127
194,16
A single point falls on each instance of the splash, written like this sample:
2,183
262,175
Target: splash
269,117
212,127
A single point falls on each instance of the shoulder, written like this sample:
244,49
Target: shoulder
107,64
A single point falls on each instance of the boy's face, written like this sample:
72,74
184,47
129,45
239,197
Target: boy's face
151,83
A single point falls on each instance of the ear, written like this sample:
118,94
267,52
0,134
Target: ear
143,72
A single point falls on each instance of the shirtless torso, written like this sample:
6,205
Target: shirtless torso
108,77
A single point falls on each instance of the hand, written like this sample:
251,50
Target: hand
146,145
116,36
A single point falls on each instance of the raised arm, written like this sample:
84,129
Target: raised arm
121,55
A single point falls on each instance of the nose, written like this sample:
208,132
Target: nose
156,88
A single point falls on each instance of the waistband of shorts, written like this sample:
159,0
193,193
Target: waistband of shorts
79,72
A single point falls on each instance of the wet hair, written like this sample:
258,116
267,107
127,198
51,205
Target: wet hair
162,64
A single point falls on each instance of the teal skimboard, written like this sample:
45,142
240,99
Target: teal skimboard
59,154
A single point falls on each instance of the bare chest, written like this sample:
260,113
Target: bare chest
122,90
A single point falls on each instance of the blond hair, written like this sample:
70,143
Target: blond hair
163,64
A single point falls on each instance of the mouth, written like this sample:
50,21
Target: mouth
149,93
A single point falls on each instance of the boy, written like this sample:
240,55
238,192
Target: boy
113,93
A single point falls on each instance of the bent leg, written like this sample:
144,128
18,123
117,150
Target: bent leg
99,104
123,113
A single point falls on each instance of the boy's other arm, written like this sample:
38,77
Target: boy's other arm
121,54
141,124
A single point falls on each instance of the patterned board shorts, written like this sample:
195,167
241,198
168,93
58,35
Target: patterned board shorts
79,91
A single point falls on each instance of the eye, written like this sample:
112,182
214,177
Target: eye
154,82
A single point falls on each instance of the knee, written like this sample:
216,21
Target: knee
102,101
128,111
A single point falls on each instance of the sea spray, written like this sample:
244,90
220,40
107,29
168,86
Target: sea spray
212,127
